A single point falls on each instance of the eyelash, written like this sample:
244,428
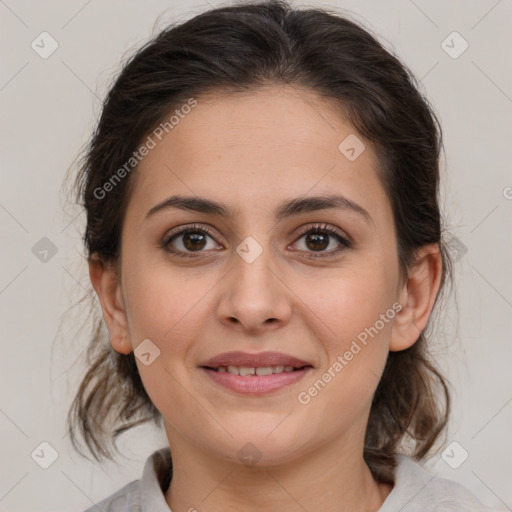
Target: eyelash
317,228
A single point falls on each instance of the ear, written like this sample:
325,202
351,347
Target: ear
104,278
417,296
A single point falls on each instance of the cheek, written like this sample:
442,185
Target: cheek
352,317
350,302
169,309
160,302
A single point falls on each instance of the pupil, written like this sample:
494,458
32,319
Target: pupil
319,240
194,241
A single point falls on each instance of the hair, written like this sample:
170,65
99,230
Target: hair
239,48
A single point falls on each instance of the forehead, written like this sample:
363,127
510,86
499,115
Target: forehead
251,148
274,118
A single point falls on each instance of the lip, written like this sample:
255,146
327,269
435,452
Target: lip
239,358
255,384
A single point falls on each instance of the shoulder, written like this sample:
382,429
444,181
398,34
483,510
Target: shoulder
417,490
144,494
126,499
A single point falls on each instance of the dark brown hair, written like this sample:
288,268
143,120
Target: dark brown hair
239,48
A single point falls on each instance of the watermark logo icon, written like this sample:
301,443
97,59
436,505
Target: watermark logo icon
454,455
249,454
351,147
454,45
458,249
147,352
44,455
44,45
249,249
44,250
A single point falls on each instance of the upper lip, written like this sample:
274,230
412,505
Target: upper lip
254,360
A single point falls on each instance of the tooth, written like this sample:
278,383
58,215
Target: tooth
264,370
261,370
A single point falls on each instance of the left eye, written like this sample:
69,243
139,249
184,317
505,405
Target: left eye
318,240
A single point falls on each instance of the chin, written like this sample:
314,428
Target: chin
256,448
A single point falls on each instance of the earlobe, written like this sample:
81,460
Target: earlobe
417,298
104,278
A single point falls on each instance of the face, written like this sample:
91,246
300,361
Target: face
267,270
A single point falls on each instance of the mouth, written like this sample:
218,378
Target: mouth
254,361
261,373
247,371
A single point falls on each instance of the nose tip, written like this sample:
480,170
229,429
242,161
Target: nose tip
253,298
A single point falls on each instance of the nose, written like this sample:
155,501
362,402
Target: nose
254,297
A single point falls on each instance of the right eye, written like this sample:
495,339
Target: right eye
186,240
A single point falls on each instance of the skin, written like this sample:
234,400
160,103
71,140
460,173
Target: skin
253,151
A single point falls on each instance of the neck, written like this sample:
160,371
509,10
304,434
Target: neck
331,478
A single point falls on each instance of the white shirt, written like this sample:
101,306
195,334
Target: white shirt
415,490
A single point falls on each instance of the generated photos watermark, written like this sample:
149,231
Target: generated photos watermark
137,156
304,397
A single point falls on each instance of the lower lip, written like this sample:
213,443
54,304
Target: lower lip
256,384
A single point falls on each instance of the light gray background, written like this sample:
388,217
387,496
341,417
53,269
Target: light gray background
49,107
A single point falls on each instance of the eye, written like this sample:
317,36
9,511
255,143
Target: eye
319,237
186,240
189,239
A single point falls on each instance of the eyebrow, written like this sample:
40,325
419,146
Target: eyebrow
287,209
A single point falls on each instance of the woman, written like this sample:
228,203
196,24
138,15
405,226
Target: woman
264,236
